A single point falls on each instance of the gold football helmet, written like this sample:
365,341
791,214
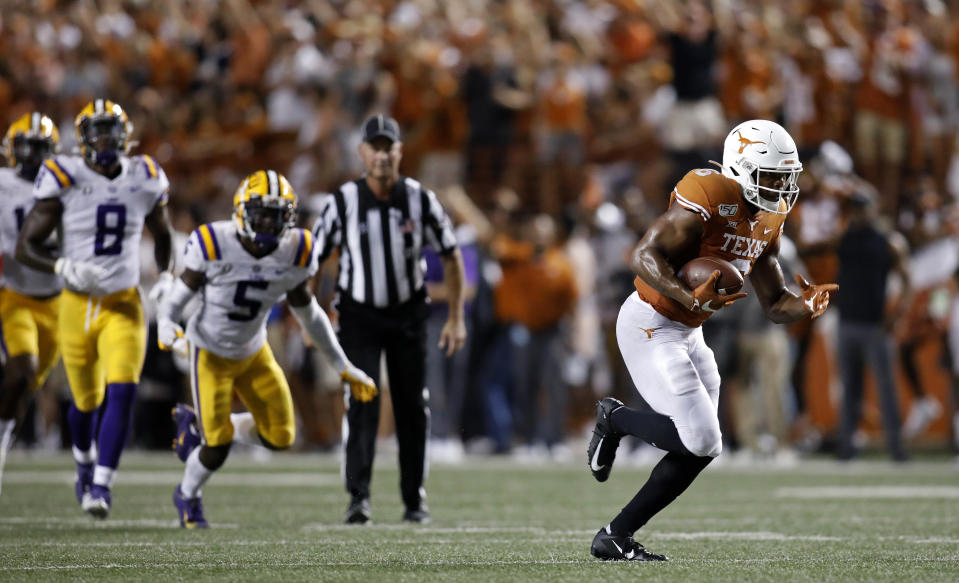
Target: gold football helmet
264,207
30,140
103,132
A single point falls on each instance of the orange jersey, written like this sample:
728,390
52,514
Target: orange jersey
730,232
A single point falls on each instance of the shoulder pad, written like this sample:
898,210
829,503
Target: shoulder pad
206,236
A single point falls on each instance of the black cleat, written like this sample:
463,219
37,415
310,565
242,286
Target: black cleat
602,447
610,547
419,515
358,512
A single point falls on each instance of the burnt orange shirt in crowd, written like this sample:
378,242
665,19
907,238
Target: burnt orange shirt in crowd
535,291
730,232
564,106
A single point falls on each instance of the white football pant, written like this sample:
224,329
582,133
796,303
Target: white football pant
674,371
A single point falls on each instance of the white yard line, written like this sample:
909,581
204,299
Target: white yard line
148,478
863,492
86,521
753,536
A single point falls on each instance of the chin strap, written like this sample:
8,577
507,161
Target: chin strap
317,325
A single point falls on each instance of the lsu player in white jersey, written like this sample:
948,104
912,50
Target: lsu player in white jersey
100,201
28,298
242,267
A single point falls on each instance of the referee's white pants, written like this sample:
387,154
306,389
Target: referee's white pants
674,371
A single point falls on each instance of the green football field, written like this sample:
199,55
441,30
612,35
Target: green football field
493,520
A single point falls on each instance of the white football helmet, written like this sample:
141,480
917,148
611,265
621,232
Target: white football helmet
761,156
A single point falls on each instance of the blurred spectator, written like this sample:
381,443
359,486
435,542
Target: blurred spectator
867,256
537,294
893,54
696,124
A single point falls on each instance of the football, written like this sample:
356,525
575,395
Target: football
694,273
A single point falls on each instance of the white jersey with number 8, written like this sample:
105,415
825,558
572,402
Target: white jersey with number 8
103,218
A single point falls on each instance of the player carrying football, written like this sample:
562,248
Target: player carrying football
242,268
28,298
736,215
100,200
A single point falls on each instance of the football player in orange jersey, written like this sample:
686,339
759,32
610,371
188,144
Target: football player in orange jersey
737,215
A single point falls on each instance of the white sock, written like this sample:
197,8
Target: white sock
104,476
244,429
85,457
6,439
194,476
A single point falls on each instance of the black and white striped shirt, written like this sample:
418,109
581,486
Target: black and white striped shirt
381,242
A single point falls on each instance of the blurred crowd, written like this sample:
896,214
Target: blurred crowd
553,131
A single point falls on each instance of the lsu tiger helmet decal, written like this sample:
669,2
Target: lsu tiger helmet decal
103,133
30,140
264,208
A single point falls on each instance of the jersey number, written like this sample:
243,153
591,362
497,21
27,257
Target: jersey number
111,222
240,300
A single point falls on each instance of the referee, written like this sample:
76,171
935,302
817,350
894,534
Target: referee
380,223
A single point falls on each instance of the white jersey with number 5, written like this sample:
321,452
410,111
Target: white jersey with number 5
102,217
16,200
240,289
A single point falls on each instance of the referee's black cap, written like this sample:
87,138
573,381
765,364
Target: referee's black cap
381,125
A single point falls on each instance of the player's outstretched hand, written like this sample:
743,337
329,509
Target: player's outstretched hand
361,385
79,275
161,287
707,299
815,297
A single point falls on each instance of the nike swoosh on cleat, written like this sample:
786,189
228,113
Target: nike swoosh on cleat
618,548
594,463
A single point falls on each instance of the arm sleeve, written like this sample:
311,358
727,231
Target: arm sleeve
318,326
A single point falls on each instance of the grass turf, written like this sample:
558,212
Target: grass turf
493,520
